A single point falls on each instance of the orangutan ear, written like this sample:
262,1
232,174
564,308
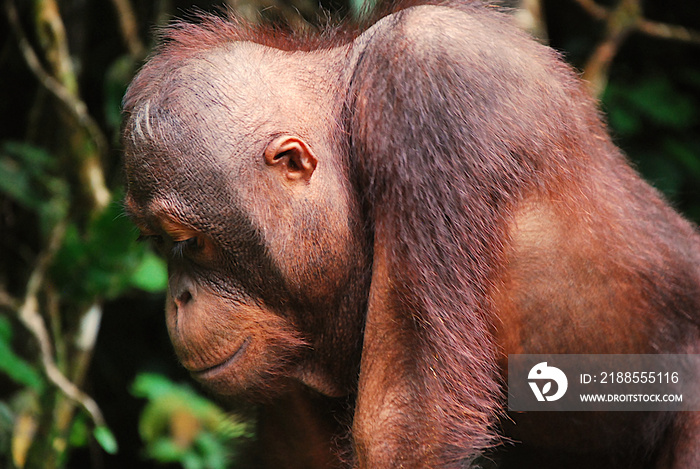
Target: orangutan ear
292,157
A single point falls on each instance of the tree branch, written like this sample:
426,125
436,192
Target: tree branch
530,17
129,29
626,17
668,31
74,105
29,314
597,68
8,301
593,9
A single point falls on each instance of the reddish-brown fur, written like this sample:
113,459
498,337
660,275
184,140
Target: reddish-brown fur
361,229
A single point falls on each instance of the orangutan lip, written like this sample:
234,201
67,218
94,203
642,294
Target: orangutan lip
213,370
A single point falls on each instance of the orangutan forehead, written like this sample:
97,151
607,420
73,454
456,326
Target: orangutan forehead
205,99
227,70
241,80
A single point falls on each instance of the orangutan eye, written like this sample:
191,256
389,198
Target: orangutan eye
186,246
156,241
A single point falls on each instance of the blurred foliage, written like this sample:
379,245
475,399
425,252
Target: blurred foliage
106,259
179,425
29,176
65,259
653,118
18,369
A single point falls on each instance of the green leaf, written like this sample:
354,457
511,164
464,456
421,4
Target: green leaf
152,386
7,418
685,153
15,183
26,176
165,450
106,439
15,367
5,329
215,453
151,275
100,260
623,121
653,99
216,433
661,103
79,432
36,161
192,460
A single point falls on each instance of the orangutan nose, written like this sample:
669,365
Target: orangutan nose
182,289
182,300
